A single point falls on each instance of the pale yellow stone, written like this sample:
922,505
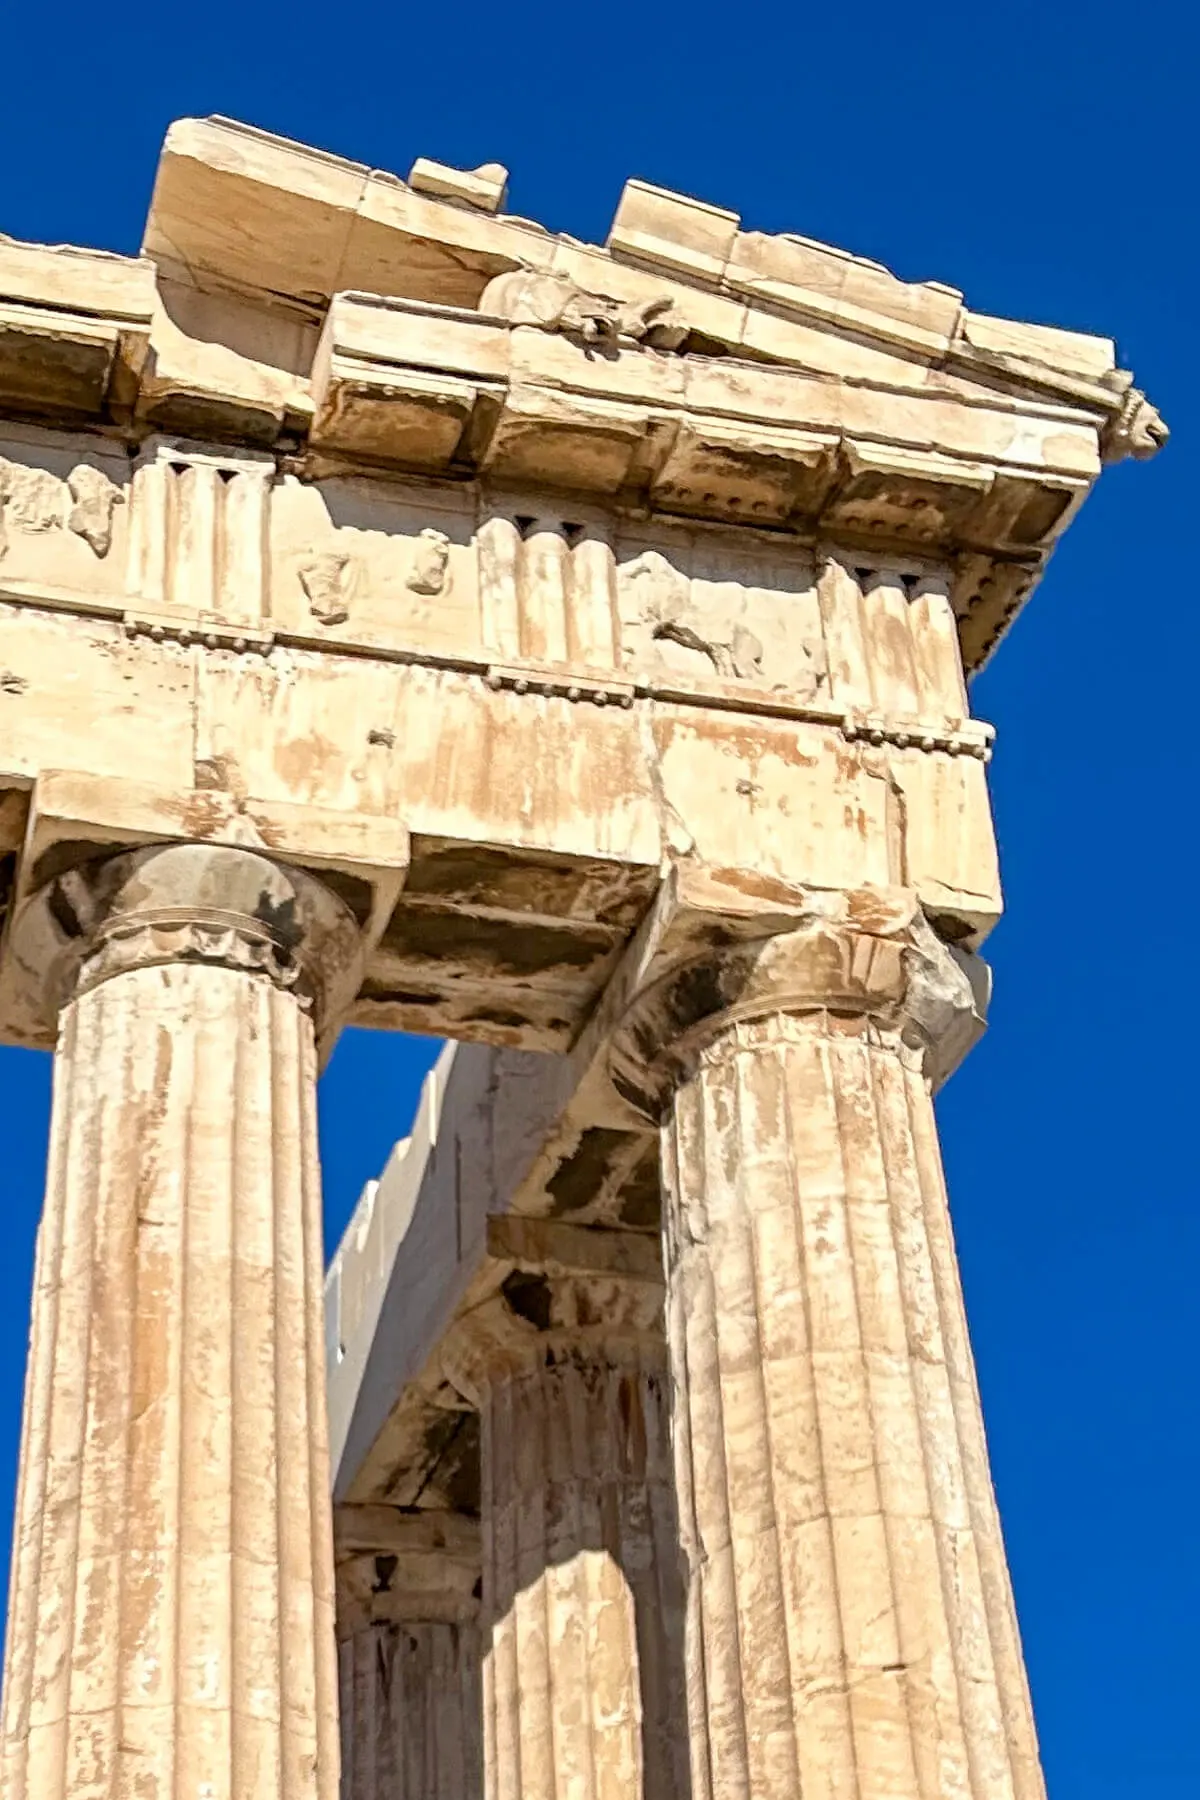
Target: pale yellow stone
803,1136
226,368
482,187
826,283
653,225
1073,350
74,329
408,1654
582,1621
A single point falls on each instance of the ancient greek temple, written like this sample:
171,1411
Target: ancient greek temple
413,618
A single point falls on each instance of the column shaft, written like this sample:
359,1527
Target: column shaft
851,1628
582,1598
171,1617
410,1703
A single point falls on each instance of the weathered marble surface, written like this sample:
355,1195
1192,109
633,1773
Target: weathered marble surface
171,1618
412,617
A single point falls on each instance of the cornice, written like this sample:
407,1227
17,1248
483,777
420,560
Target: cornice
325,226
355,222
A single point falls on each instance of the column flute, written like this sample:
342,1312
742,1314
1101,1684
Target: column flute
408,1650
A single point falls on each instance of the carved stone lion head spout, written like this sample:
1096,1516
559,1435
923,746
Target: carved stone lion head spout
1138,430
554,303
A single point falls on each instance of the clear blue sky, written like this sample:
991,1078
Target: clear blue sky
1042,158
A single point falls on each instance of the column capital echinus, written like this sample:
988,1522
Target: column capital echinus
211,904
864,962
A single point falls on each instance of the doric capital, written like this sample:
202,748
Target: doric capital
190,903
863,956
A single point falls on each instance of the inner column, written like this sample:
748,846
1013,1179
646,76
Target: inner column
170,1627
408,1652
582,1599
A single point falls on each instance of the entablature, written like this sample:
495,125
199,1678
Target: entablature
498,576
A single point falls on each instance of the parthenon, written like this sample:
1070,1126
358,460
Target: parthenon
414,618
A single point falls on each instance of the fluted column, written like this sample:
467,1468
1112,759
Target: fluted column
851,1630
408,1658
170,1629
582,1597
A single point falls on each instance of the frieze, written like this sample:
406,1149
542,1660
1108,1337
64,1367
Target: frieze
34,500
712,614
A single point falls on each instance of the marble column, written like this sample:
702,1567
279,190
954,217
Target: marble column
170,1628
408,1659
851,1629
582,1589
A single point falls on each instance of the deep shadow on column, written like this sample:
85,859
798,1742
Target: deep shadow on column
409,1680
584,1686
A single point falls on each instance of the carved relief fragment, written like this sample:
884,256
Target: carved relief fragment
334,579
382,564
429,573
330,580
713,628
1138,430
554,303
30,500
33,497
94,498
663,608
35,500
